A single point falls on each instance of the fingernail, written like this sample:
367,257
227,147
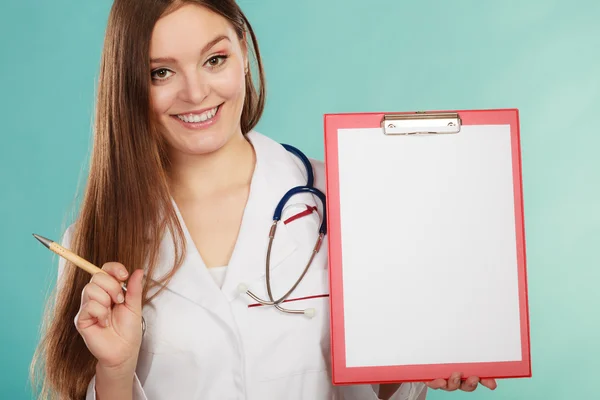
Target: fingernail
457,380
120,298
106,323
123,273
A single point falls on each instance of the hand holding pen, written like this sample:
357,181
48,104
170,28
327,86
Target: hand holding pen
110,314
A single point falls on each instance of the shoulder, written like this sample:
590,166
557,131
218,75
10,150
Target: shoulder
320,174
283,163
68,235
319,171
65,242
287,169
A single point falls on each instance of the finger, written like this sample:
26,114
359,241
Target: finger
92,291
116,270
90,312
489,383
437,384
110,285
470,384
454,381
134,291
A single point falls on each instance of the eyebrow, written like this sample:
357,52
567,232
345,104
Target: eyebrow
204,50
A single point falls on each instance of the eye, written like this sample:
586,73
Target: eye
216,61
161,74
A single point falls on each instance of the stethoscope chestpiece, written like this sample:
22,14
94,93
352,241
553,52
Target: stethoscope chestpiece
243,289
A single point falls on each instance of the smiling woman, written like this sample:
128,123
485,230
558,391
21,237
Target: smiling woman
165,64
180,183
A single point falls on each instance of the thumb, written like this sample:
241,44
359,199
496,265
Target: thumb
133,298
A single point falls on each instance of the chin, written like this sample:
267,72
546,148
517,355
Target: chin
200,145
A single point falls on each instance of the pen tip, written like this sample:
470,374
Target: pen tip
46,242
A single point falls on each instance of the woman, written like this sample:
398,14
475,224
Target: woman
182,191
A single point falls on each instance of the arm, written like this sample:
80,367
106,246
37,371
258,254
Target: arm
386,391
107,383
113,385
405,391
126,390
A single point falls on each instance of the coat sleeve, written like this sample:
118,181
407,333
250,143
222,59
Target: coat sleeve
138,391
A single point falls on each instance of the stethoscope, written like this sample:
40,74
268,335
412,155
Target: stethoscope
308,188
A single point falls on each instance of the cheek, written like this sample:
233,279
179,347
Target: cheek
163,97
230,84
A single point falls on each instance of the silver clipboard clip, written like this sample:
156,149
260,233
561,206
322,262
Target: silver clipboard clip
421,123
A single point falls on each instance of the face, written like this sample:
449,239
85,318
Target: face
198,79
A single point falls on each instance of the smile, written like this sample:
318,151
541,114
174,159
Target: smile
199,119
205,116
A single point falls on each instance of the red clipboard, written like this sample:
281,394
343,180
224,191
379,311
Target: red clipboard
406,196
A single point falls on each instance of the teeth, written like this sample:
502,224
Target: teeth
206,115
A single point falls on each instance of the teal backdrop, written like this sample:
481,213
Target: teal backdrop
337,56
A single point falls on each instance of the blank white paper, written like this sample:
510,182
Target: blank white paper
429,247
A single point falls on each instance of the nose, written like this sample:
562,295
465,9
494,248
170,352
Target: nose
194,89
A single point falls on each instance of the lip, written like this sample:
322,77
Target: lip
199,125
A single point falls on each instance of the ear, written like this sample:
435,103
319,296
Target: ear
244,46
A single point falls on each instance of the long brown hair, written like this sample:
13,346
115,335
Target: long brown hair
126,208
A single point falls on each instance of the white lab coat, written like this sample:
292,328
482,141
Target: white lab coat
205,342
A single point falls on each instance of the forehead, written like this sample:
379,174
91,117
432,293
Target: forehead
186,29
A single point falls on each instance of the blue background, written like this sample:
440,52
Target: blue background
336,56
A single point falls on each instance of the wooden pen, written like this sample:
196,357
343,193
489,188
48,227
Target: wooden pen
74,258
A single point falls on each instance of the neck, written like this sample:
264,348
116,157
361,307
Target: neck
197,176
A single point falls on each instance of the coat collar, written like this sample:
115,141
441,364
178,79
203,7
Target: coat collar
275,173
